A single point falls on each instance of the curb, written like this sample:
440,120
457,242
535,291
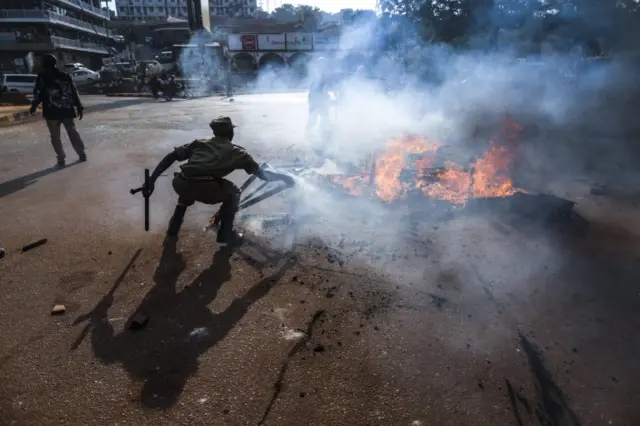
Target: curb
129,95
17,116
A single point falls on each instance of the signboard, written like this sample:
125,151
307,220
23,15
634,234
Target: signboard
299,41
326,42
249,42
234,41
271,42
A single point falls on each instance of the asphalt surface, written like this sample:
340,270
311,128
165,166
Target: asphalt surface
472,320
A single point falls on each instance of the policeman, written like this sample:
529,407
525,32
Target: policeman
201,178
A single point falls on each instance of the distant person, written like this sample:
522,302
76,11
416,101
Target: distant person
154,84
54,89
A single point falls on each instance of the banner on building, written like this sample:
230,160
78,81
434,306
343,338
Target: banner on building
242,42
271,41
249,42
299,41
326,42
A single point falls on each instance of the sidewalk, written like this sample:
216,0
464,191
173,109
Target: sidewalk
10,114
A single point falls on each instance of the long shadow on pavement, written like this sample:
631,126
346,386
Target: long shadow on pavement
181,327
18,184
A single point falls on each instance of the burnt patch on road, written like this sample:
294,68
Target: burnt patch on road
277,386
552,408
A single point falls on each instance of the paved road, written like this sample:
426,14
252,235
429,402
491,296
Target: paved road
466,321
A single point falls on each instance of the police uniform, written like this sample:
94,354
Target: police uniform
201,178
208,161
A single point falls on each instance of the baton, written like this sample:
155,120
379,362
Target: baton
146,198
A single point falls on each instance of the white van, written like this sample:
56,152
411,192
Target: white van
22,83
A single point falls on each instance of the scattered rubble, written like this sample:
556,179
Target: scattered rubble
138,322
58,310
34,244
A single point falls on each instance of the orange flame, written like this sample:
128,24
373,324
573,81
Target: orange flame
488,176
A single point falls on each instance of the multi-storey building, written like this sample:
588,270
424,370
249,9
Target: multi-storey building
154,9
73,30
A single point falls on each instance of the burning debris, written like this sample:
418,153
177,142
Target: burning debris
410,171
409,166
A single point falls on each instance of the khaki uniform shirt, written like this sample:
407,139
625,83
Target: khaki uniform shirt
215,157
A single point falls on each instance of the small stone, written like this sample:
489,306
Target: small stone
302,394
2,252
319,348
138,322
110,253
58,310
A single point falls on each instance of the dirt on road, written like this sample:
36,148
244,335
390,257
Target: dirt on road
458,321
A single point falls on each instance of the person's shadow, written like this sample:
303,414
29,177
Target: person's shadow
181,327
18,184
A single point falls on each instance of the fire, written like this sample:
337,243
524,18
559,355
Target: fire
408,166
389,167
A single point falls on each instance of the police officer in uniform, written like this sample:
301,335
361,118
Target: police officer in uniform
207,162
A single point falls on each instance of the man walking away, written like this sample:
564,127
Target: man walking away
60,106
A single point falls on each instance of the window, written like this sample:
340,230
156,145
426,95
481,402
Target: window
20,79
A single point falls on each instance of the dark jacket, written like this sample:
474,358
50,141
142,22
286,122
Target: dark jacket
58,95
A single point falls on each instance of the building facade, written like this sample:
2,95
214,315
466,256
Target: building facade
73,30
144,10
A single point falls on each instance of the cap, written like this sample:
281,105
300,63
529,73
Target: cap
221,123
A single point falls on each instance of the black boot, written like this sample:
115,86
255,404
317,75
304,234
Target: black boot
227,214
176,220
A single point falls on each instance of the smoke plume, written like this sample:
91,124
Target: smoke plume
571,106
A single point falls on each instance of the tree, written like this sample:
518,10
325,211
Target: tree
286,12
261,13
448,20
310,16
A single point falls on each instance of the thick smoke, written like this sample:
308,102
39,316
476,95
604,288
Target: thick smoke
201,65
568,104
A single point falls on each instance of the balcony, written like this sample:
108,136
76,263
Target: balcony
19,15
9,42
85,7
67,43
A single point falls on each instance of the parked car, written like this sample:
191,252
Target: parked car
21,83
84,75
72,67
